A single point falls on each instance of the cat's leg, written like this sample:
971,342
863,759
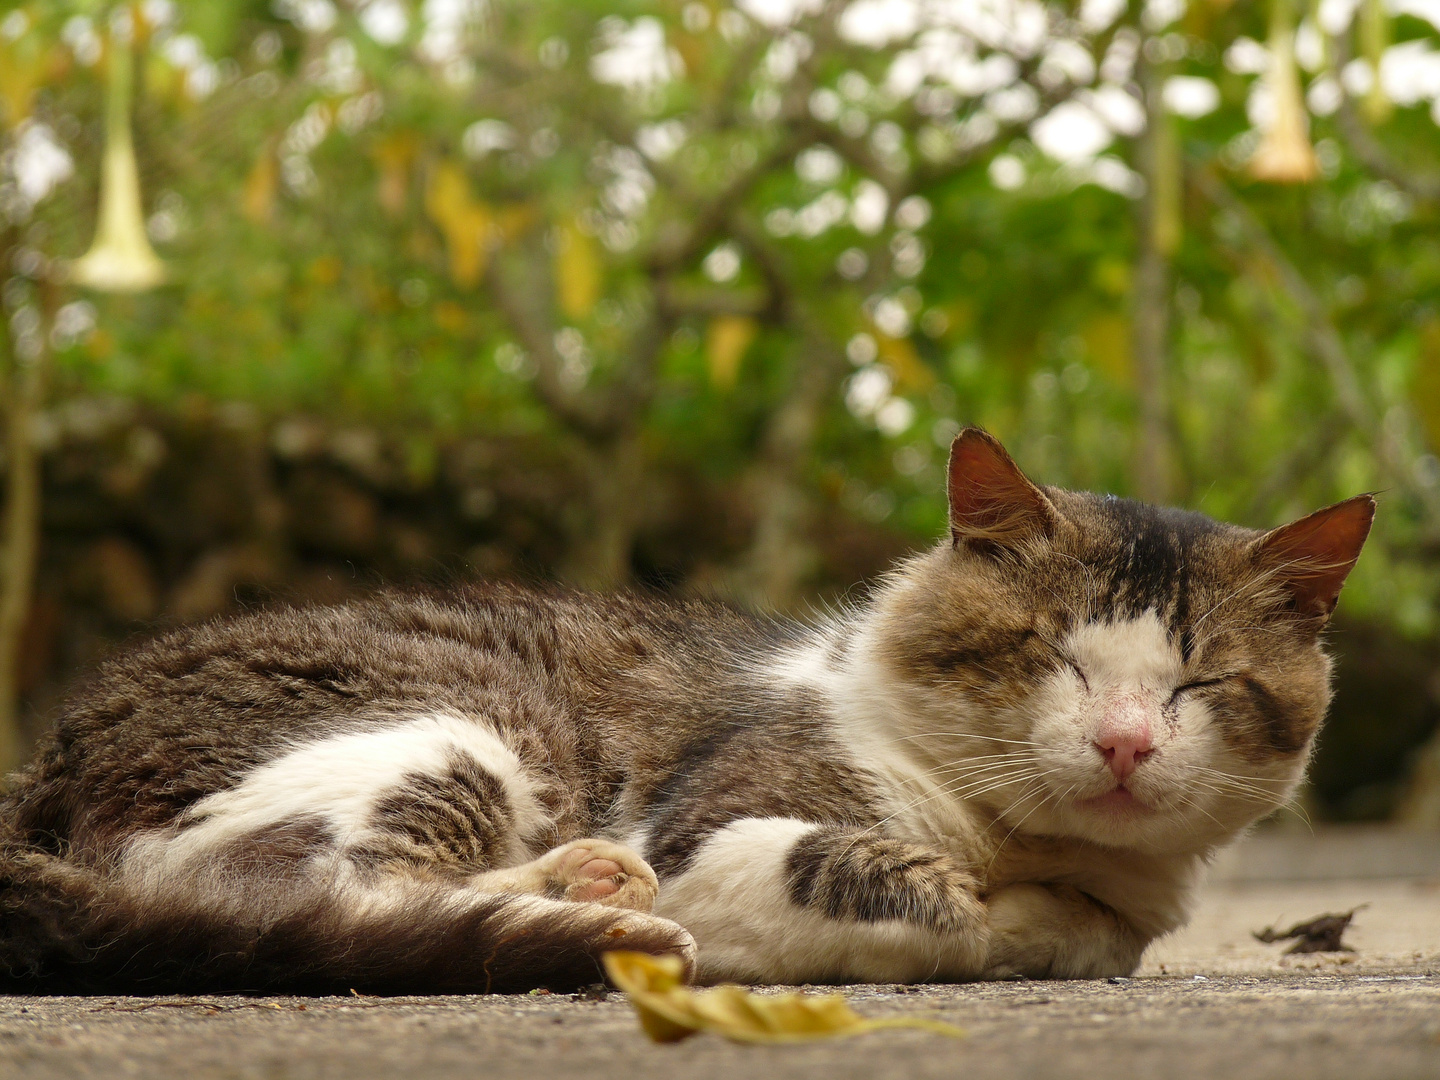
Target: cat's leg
1055,931
406,857
290,908
475,811
443,795
325,926
783,900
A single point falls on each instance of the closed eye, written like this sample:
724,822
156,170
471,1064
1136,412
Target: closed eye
1200,684
1073,666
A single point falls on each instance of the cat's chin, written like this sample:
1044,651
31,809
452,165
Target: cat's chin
1120,803
1120,818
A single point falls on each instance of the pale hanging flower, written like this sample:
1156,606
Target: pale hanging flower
1374,33
1284,155
120,259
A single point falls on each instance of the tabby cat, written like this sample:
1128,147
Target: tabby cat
1014,758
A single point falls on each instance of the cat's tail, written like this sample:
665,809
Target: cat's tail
68,928
43,904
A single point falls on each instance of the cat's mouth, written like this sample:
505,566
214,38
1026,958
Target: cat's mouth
1119,801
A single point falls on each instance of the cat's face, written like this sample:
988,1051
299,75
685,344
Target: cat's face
1094,667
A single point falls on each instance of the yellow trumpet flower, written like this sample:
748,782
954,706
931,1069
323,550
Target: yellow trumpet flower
1285,155
120,259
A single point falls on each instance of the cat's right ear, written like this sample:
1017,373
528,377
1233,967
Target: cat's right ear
1313,556
993,503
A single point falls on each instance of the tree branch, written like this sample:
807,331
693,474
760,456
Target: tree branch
1324,339
711,212
1363,143
698,300
20,526
583,414
1157,225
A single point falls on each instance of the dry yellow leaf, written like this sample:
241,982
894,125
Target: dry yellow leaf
669,1010
726,340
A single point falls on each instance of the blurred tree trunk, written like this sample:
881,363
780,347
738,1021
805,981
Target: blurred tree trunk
1420,806
1158,237
774,569
605,416
772,573
603,540
22,390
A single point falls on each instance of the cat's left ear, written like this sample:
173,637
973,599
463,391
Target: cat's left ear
1314,555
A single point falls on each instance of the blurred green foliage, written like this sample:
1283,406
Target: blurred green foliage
749,244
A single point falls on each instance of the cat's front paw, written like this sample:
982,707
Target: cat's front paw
1054,931
638,932
869,879
599,871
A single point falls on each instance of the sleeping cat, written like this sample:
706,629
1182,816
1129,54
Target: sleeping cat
1013,759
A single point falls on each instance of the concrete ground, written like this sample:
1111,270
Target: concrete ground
1208,1002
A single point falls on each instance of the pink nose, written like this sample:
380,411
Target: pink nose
1124,750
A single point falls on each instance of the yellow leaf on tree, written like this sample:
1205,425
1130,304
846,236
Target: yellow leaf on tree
692,48
450,316
670,1011
727,339
961,314
1426,388
465,222
1107,340
1113,276
163,80
24,66
899,355
393,156
577,271
257,200
514,219
325,270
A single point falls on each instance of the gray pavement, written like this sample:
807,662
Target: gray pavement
1208,1002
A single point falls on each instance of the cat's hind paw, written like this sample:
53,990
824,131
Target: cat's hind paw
602,872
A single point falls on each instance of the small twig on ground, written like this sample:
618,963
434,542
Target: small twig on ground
170,1005
212,1006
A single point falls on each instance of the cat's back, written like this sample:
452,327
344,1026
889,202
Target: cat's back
184,715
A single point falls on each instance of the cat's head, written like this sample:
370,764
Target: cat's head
1096,667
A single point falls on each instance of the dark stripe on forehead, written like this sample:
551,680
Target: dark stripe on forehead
1144,555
